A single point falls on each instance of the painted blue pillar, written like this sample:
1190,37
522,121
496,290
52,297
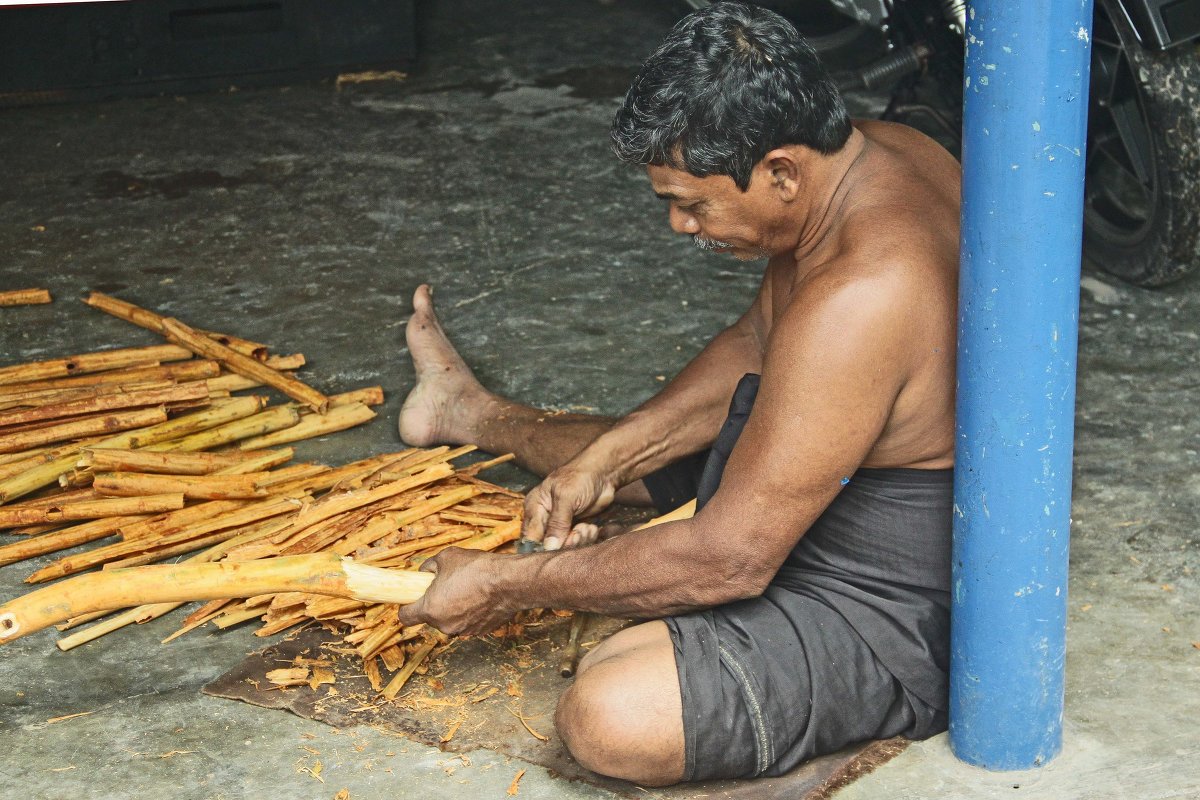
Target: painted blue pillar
1024,125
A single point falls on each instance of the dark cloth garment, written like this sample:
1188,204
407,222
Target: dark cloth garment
850,641
699,474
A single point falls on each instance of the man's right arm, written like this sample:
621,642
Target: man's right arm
683,418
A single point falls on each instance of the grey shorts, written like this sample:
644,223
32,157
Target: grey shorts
849,642
771,682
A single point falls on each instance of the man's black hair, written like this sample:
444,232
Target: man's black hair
730,83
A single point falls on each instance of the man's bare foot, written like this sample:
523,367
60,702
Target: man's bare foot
447,401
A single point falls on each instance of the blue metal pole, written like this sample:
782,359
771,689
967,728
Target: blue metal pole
1024,125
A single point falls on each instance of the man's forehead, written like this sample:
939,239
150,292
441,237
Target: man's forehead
676,184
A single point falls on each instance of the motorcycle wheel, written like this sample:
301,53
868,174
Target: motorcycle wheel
1142,195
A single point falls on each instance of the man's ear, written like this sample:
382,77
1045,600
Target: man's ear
783,169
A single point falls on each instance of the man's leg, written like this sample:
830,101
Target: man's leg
623,715
450,406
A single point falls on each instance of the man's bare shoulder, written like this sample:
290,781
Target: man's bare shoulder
897,224
906,189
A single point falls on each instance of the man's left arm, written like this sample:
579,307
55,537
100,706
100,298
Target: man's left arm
834,366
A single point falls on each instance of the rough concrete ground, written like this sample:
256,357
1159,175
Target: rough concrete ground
304,217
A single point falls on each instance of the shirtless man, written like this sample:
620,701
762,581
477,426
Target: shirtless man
805,605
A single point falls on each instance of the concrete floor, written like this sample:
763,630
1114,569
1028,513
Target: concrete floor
304,217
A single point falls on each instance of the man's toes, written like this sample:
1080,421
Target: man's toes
423,299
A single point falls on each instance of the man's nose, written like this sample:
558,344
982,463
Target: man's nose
682,222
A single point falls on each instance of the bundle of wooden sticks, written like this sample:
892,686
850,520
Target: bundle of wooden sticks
144,453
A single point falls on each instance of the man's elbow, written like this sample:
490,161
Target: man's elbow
745,579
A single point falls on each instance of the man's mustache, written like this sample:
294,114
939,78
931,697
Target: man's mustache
708,245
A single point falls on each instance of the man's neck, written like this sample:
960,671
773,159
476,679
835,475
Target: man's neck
830,173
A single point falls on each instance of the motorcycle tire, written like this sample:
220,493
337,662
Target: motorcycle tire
1142,195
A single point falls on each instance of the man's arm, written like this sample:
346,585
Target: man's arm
683,418
835,364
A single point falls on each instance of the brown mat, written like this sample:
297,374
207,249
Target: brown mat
471,696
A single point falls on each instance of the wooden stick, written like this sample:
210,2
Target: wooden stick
25,297
244,365
173,463
685,511
63,539
118,421
322,573
154,322
257,461
138,615
59,461
397,682
233,382
54,497
192,487
93,509
49,397
106,402
339,418
98,361
183,371
264,422
368,396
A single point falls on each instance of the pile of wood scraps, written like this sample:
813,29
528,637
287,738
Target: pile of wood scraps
145,455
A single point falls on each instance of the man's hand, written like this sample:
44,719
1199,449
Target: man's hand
461,599
566,494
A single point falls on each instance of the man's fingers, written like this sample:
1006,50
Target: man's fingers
536,514
558,527
412,613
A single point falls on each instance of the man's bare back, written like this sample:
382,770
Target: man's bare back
894,228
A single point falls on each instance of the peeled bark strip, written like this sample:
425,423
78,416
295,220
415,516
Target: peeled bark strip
322,573
150,321
329,507
339,418
106,402
193,487
25,297
244,365
119,421
91,509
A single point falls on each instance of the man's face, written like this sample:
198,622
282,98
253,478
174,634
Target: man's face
717,215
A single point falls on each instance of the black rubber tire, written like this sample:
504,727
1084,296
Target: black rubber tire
1159,242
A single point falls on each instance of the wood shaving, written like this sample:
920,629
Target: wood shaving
53,720
541,737
320,676
489,693
515,786
453,729
288,676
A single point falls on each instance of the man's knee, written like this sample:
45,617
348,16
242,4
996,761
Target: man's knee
622,718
